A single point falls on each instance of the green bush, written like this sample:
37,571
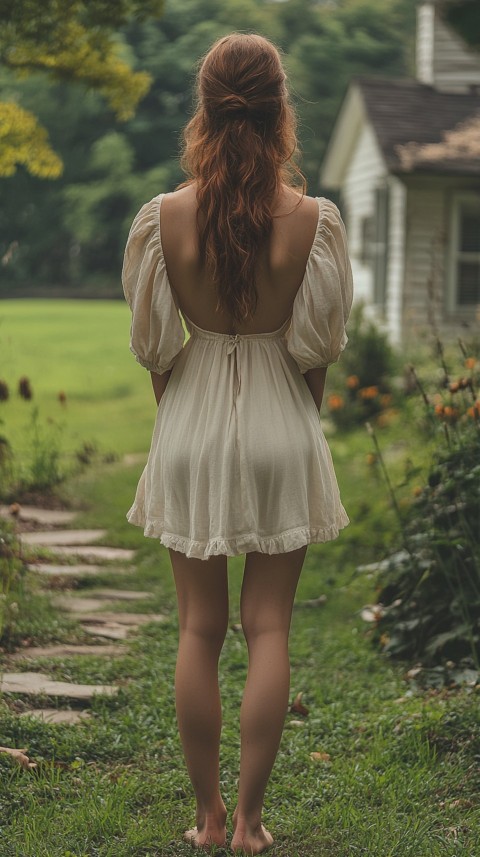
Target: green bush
366,389
429,589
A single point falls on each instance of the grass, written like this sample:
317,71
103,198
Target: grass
81,348
402,777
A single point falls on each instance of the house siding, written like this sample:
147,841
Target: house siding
365,171
395,260
424,263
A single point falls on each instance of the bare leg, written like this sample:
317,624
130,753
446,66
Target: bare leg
202,593
268,592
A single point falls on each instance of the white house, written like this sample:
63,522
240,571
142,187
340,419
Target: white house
404,157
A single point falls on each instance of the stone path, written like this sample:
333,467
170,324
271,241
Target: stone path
62,537
75,571
39,683
88,608
37,514
94,552
62,650
57,715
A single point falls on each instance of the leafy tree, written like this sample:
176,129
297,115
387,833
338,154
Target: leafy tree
69,40
72,232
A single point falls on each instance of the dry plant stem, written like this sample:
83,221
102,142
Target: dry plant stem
420,386
387,480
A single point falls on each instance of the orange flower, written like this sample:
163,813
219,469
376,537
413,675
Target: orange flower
335,402
470,362
451,414
368,392
454,387
385,400
353,381
439,410
371,458
417,491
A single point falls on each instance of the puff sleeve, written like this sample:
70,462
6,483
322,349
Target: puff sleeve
156,332
316,335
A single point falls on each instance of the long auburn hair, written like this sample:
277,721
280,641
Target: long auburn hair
239,147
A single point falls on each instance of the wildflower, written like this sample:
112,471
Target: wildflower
24,388
335,402
353,381
439,410
470,362
4,392
386,400
454,387
417,491
368,392
474,411
371,458
451,414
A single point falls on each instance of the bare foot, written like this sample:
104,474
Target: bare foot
251,842
208,832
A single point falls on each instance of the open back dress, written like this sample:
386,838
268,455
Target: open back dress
238,460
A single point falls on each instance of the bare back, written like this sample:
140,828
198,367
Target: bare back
280,267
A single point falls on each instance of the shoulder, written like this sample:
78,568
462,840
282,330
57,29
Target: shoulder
178,211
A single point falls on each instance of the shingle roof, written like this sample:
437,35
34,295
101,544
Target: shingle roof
406,111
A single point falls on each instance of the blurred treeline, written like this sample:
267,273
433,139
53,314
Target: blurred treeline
67,235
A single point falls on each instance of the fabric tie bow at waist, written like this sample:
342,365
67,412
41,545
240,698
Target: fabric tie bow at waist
232,343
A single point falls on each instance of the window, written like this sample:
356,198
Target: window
465,267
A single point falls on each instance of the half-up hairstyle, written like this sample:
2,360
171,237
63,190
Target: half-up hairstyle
239,148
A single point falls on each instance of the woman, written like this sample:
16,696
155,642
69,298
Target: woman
238,462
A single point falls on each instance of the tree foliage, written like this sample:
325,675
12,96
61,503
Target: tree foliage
71,41
72,232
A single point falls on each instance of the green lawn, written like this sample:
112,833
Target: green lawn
402,779
81,348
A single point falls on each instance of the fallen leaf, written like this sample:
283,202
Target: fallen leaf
20,757
320,757
297,707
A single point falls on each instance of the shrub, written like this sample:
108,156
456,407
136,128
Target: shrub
429,589
366,389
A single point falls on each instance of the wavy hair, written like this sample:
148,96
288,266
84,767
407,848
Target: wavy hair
239,147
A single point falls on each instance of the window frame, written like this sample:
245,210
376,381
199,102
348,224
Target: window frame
467,199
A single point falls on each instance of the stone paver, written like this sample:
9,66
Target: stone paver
36,513
116,626
57,715
62,537
74,570
86,604
62,650
110,630
38,683
98,552
121,618
121,594
72,604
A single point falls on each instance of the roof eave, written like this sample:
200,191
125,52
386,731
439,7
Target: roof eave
351,116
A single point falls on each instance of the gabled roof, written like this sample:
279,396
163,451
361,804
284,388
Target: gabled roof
402,111
405,111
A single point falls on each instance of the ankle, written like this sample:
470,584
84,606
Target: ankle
216,813
251,823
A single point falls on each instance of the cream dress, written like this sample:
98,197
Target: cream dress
238,460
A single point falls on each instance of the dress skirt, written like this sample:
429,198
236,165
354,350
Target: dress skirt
238,460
